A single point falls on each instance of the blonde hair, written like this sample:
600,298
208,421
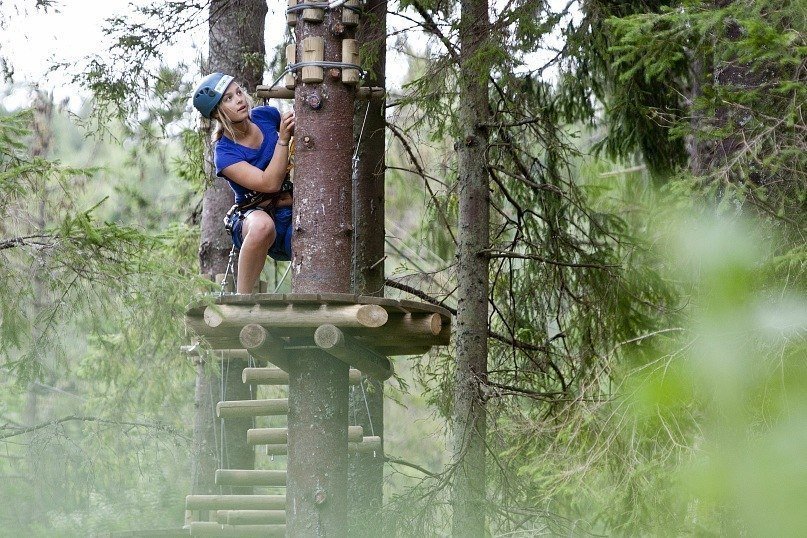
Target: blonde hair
223,123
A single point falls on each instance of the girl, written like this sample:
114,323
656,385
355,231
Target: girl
252,154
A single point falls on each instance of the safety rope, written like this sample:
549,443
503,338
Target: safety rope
316,5
229,269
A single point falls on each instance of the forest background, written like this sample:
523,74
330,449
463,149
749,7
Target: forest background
646,370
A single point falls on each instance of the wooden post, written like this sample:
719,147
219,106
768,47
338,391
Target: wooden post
321,246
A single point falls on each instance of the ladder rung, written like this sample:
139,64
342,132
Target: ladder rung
252,408
250,477
203,528
251,517
235,502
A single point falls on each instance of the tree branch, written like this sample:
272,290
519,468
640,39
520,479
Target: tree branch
495,253
22,431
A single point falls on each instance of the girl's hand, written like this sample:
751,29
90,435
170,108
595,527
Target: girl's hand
286,127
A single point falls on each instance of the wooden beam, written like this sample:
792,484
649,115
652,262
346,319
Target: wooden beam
334,342
276,376
211,528
402,350
252,408
263,346
251,517
250,477
197,350
280,436
270,315
235,502
369,444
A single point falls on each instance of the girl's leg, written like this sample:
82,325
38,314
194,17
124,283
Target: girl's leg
259,233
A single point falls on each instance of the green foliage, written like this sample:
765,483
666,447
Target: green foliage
748,89
91,326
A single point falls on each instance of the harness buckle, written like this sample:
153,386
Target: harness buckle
228,221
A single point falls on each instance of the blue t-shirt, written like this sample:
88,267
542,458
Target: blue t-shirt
227,152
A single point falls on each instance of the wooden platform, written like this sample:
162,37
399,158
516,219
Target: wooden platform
360,330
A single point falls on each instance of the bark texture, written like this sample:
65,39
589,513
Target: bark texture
316,493
236,48
366,471
469,429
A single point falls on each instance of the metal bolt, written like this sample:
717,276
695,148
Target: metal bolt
337,28
319,497
314,101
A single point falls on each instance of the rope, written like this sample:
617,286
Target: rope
367,407
283,278
316,5
322,63
230,267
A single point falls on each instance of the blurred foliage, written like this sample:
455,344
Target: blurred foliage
96,273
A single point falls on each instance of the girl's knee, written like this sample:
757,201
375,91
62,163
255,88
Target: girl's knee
260,229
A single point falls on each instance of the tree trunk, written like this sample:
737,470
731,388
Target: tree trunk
366,471
469,429
42,137
316,492
236,48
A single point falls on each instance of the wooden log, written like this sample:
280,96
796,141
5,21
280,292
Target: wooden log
280,92
365,447
276,376
334,342
291,18
216,354
289,79
252,408
250,477
313,51
270,316
235,502
263,346
350,55
280,436
350,17
251,517
313,14
369,444
403,329
210,528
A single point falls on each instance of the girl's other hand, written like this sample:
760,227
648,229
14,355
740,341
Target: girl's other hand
286,126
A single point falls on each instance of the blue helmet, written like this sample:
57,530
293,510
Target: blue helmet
209,92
